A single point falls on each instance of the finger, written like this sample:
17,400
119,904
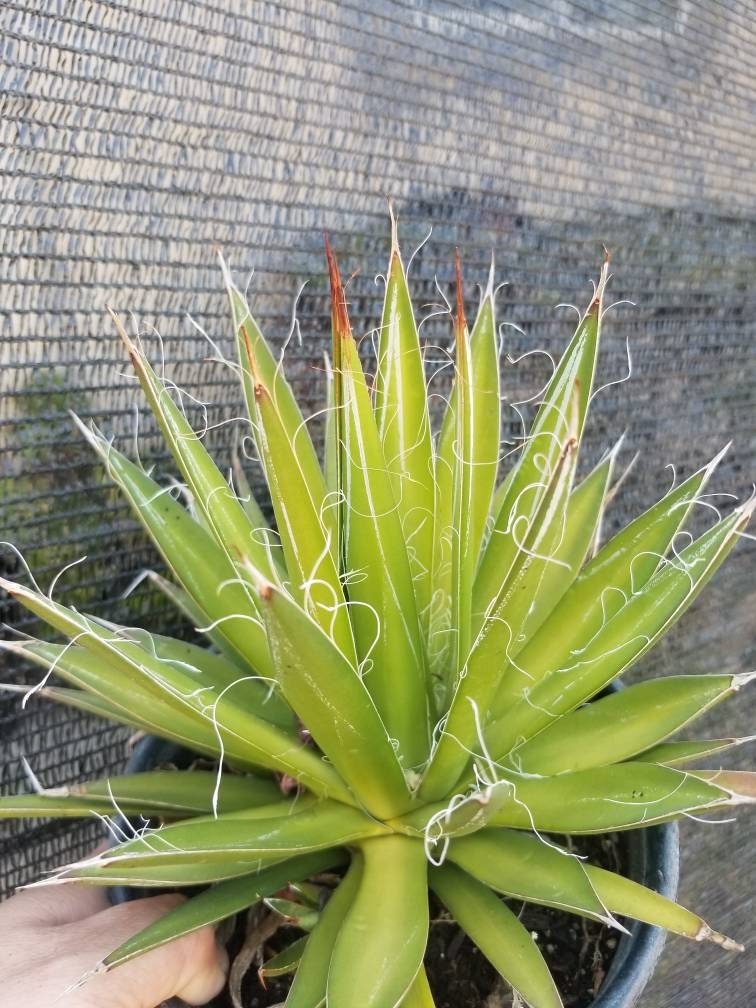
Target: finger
192,967
51,906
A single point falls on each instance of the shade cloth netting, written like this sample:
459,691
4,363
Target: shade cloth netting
137,137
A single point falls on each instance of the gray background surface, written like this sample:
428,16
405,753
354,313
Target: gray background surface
136,137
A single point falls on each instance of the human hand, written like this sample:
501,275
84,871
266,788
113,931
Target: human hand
51,936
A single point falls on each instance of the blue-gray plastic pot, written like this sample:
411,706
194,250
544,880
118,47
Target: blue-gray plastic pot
147,754
653,859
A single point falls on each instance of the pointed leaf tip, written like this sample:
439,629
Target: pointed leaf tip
728,944
394,229
121,330
10,587
489,289
461,321
339,313
594,308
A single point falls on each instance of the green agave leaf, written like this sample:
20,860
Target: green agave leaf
206,573
105,691
330,697
233,837
582,520
460,815
381,592
369,966
541,449
464,518
311,981
197,617
211,493
419,995
741,784
284,962
188,608
465,475
244,736
478,683
91,704
528,868
216,904
623,724
539,534
401,411
296,914
497,932
214,670
156,793
334,449
254,512
191,873
500,494
251,343
476,410
630,899
574,675
331,450
616,797
174,876
309,893
680,753
624,566
300,507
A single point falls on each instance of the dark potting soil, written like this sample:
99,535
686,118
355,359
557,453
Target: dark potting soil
578,951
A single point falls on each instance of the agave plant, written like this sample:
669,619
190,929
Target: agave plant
405,684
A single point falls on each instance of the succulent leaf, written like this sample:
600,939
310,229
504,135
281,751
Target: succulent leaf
622,724
330,697
252,836
603,799
525,867
382,596
622,568
401,411
311,981
582,520
169,794
206,573
284,962
419,995
216,904
630,899
215,499
257,361
465,475
479,680
369,967
243,735
497,932
575,674
679,753
300,505
572,379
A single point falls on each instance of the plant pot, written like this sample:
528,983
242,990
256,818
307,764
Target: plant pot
653,859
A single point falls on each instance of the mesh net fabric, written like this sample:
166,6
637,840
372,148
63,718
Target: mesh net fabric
138,137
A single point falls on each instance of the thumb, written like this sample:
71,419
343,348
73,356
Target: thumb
192,967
